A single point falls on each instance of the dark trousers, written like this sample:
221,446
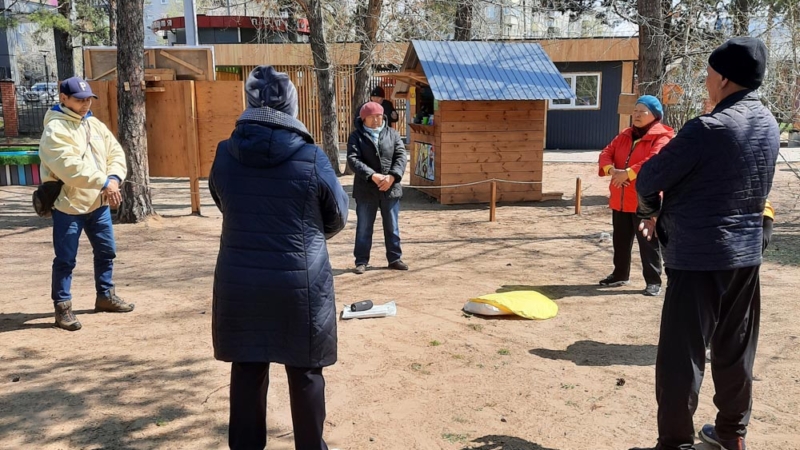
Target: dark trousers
248,422
67,229
366,212
626,227
720,308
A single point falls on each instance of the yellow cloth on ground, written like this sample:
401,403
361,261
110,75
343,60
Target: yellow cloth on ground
527,304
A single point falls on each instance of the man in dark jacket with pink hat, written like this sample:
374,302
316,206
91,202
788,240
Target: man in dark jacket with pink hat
715,177
377,156
273,285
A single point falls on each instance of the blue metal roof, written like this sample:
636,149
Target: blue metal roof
465,70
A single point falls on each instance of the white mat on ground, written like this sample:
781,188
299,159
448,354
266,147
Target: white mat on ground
385,310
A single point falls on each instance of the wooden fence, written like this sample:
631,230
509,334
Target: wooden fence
305,80
185,122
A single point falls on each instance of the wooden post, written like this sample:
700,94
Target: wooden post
192,145
578,196
493,203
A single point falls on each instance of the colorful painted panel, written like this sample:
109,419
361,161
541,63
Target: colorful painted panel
27,175
424,165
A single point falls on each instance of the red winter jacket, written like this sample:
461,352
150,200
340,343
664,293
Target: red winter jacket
623,153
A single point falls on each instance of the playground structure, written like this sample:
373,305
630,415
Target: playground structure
479,113
185,122
188,113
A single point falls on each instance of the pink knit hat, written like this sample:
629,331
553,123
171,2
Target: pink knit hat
370,109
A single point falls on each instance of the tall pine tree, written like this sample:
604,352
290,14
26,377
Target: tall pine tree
137,204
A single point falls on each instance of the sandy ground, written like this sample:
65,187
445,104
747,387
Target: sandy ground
430,378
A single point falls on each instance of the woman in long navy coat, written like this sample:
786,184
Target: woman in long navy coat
273,286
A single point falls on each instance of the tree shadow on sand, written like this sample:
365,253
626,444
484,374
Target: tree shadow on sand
596,354
501,442
130,399
555,292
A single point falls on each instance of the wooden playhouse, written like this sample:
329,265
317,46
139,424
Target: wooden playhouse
478,113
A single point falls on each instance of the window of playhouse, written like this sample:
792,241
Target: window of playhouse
425,102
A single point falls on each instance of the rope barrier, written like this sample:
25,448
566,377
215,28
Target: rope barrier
493,192
450,186
790,166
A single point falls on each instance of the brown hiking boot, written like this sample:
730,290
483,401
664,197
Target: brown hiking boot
65,318
111,303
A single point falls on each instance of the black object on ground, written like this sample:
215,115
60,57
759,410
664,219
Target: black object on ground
364,305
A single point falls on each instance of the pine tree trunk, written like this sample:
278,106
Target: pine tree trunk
463,23
136,201
65,62
366,34
325,83
651,47
112,22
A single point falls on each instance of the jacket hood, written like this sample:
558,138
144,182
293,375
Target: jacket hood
59,112
265,137
657,130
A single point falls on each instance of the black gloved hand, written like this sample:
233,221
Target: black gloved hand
767,232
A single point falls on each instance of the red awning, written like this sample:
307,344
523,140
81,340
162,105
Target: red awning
259,23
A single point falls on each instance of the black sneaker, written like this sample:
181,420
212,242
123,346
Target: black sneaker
398,265
111,303
360,269
709,435
652,290
610,281
65,318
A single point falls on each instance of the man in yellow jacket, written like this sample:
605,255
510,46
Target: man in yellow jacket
80,151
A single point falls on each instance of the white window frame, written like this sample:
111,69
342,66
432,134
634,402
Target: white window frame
571,106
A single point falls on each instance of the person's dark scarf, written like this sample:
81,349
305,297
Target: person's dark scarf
639,132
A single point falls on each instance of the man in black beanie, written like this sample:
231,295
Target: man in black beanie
715,176
378,95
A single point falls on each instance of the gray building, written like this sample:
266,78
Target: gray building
10,38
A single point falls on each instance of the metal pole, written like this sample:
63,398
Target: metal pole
524,21
229,7
46,74
190,17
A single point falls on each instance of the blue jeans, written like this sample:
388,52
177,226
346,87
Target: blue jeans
366,213
66,234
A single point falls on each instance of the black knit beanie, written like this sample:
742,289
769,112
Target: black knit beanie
742,60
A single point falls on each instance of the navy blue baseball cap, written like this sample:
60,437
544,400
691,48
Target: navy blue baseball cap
76,87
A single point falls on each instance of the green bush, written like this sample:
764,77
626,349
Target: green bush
18,160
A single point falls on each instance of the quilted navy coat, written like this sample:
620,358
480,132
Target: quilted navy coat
715,176
273,285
